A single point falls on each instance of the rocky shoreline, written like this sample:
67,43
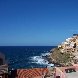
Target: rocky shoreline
50,59
66,54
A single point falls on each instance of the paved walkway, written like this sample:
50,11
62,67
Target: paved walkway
72,75
67,75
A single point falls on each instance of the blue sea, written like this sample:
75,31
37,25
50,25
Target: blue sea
26,56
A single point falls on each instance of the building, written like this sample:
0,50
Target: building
70,44
66,72
32,73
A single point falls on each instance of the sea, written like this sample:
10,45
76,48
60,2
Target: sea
18,57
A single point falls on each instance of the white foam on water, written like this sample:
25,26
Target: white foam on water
40,60
44,54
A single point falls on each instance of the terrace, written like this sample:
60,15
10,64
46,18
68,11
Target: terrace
67,72
72,75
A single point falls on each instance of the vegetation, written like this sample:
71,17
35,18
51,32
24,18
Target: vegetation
60,58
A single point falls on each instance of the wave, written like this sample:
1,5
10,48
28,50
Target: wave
45,54
40,60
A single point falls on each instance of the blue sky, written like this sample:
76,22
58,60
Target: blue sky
37,22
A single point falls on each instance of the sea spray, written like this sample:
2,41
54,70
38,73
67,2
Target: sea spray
42,60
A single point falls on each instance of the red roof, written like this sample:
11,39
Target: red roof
31,73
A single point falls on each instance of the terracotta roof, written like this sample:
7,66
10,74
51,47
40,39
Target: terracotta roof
31,73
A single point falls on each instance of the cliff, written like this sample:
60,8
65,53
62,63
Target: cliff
66,53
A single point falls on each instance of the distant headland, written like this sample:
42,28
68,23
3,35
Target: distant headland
66,53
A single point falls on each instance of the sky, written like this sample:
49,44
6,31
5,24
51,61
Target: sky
37,22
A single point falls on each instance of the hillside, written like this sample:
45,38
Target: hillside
66,53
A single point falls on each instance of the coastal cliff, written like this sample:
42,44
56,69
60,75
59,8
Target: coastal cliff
66,54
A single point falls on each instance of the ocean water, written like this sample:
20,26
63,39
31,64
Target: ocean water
26,56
